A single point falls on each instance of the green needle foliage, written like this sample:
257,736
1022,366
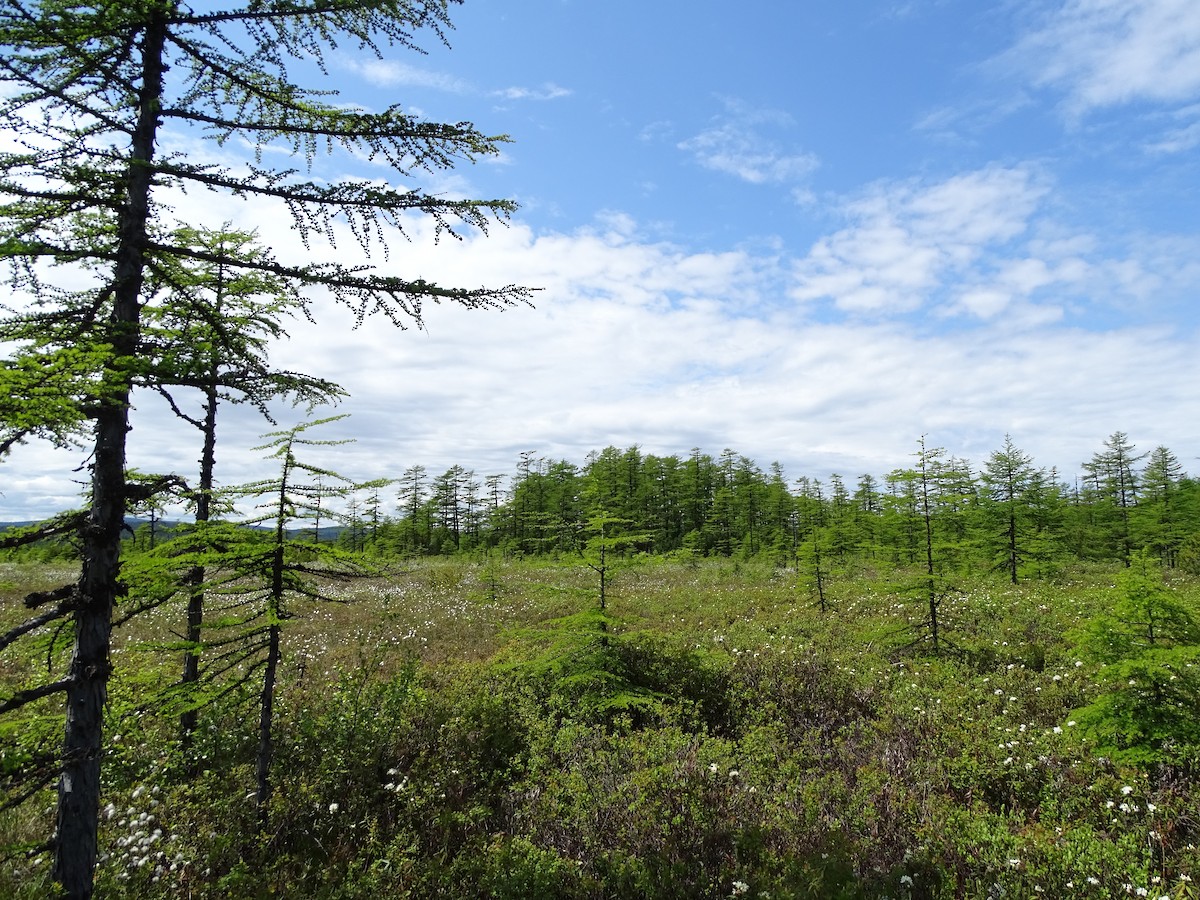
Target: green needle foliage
90,96
927,509
209,335
46,391
258,576
273,576
602,544
809,552
1149,648
586,662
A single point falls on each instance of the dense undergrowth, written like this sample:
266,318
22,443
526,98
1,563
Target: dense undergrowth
470,730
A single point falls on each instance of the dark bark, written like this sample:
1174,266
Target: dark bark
78,811
266,745
1013,557
35,623
196,576
20,698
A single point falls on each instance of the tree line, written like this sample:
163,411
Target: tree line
1007,514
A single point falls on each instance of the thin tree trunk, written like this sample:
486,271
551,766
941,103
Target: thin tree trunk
266,745
196,577
927,516
820,576
1013,556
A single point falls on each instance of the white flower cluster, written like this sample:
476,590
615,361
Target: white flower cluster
396,787
143,845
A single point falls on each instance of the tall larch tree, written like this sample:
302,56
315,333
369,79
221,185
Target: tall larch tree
1161,522
88,102
1112,485
1009,477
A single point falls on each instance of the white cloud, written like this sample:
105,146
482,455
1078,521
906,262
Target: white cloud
1107,52
985,303
1183,136
582,371
548,91
640,342
738,144
393,73
906,241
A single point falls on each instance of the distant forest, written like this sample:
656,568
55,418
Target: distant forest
1008,514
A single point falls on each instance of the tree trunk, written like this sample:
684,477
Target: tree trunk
196,577
1013,556
266,746
78,813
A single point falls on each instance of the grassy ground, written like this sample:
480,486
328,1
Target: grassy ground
467,730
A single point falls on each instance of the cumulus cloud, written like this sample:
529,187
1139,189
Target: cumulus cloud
635,340
639,341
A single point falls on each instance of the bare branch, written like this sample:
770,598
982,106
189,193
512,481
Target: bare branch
33,624
64,523
22,698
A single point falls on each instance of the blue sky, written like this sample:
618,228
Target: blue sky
809,232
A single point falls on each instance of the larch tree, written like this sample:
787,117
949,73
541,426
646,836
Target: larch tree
927,468
209,334
88,96
866,514
927,499
412,499
811,511
372,507
1161,525
267,577
1113,482
1009,477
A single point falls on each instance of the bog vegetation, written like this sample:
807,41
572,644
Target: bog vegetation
636,676
649,677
